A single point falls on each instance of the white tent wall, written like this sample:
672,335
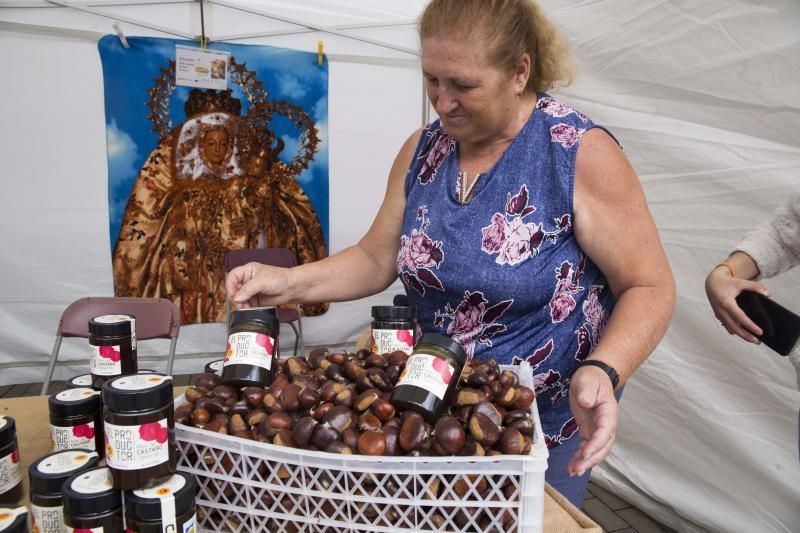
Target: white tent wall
705,98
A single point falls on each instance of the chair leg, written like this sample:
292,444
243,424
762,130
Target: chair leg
51,365
171,359
296,337
300,327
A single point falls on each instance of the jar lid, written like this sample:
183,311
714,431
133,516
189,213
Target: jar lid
147,371
14,520
215,367
48,474
110,325
84,380
265,315
137,392
74,402
447,343
382,312
91,492
8,430
178,489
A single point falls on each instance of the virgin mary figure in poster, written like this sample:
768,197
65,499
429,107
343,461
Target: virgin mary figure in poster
244,167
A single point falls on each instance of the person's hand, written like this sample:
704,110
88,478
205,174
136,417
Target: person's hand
722,290
257,285
591,398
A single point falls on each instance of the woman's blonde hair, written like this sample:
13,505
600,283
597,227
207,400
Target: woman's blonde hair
511,27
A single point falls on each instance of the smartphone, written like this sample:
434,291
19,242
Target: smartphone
781,327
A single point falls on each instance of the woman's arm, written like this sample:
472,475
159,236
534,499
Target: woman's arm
722,288
360,270
616,231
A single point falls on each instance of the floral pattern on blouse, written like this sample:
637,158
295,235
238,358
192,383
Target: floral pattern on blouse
513,240
472,321
558,109
595,320
433,152
418,255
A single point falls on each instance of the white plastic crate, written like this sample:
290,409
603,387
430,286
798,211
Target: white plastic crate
248,486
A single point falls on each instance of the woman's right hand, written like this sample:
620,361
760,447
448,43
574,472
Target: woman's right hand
722,290
257,285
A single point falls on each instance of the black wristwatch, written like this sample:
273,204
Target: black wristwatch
609,370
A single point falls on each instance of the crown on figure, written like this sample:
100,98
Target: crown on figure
209,101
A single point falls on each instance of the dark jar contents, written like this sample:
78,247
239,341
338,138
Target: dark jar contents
139,425
79,382
13,520
112,348
393,328
429,381
252,346
10,468
215,367
168,505
47,476
91,501
76,420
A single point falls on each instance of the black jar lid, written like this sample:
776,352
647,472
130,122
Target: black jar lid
14,519
84,380
447,343
264,315
91,492
146,504
48,474
403,312
110,325
215,367
137,392
74,402
8,430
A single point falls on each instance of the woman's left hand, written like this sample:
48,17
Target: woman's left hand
591,398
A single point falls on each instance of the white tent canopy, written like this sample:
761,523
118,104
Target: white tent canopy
704,96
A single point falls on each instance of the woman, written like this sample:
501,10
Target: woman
515,226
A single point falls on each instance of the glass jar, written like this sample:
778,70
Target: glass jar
168,505
13,520
77,382
47,476
92,503
76,420
10,469
139,424
112,347
215,367
252,345
429,380
393,328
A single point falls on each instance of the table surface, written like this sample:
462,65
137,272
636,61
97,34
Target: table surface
32,419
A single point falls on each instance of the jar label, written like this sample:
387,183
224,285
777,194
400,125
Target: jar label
216,366
3,422
84,380
390,340
68,437
105,360
427,372
93,481
10,471
7,516
83,529
116,319
248,348
190,526
66,461
76,395
166,493
47,519
140,382
137,447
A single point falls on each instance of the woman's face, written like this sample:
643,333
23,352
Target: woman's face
474,99
215,146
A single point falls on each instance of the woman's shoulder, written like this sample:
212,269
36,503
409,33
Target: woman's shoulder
555,111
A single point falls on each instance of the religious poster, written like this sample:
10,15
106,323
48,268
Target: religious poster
195,172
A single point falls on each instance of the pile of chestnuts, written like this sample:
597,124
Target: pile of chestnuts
339,403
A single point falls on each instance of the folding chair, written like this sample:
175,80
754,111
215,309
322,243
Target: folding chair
155,319
280,257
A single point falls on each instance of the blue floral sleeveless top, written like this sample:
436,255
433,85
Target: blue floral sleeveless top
503,274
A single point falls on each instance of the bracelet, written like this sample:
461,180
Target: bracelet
609,370
729,266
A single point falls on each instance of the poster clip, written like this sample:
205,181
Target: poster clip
319,53
121,35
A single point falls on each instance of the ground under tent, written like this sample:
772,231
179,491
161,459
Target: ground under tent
704,97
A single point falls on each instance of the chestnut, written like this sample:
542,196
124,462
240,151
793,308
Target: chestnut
507,396
524,426
345,398
218,425
308,398
413,433
338,358
253,396
320,411
448,435
290,397
214,406
225,393
278,421
525,398
271,403
375,360
383,409
207,380
303,429
483,430
284,437
393,373
237,423
511,442
391,434
508,378
478,379
398,358
256,416
372,443
353,370
182,412
315,355
195,393
239,408
296,365
350,437
323,435
199,417
469,396
278,383
335,373
340,447
368,422
365,400
339,418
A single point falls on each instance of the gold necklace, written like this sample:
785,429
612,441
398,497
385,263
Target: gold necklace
465,191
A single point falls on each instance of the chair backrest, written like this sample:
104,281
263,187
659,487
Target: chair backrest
280,257
156,318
